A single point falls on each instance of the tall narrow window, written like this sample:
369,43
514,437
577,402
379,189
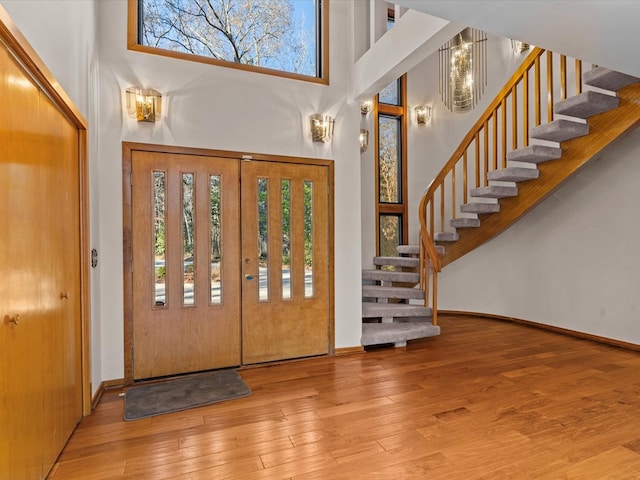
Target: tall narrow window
308,239
188,240
285,187
280,37
159,236
390,159
263,239
391,168
215,235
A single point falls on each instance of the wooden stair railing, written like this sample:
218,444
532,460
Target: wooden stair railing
527,97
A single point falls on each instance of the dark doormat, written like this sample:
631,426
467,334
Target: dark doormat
183,393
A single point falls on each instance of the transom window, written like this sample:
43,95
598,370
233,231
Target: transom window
279,37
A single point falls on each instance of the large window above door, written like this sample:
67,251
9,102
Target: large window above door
279,37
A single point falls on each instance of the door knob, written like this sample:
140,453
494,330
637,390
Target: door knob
248,276
64,295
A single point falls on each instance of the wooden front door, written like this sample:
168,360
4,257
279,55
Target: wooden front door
222,278
186,273
285,228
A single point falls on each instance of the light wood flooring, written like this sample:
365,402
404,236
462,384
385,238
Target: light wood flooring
486,399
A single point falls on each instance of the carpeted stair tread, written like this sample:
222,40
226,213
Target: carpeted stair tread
446,237
601,77
494,191
464,222
477,207
377,291
382,333
408,262
415,249
514,174
559,130
389,310
586,104
534,154
389,276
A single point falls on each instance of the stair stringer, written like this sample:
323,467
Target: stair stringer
604,129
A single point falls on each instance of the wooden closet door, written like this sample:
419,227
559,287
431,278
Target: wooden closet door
40,319
21,258
61,352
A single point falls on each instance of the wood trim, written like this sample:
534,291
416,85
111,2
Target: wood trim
542,326
404,153
127,224
401,112
17,43
127,259
103,387
349,350
85,273
132,44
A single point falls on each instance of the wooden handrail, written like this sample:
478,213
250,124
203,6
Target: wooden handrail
526,110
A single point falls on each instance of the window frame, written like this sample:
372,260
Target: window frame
133,27
401,208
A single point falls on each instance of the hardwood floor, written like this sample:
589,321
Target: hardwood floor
485,400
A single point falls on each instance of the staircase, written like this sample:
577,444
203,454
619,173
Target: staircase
586,123
393,309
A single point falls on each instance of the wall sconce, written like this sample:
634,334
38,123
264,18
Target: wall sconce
423,114
366,107
143,104
321,127
364,140
519,47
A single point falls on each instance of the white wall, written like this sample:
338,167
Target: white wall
572,262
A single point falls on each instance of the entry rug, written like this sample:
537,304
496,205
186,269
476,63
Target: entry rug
183,393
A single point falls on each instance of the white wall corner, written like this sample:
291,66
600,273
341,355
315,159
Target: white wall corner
413,38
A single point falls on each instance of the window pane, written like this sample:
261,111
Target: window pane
285,187
389,156
276,34
188,240
263,239
215,234
159,229
390,235
391,16
308,238
390,94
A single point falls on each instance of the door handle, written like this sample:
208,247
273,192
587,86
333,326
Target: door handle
64,295
248,276
14,320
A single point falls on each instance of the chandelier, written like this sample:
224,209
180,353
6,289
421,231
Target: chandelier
463,70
